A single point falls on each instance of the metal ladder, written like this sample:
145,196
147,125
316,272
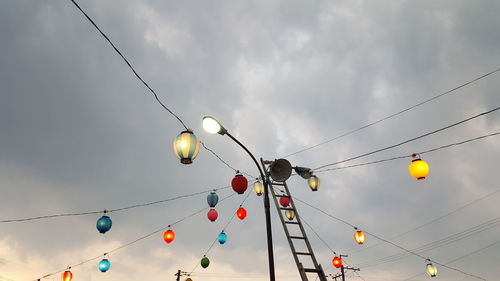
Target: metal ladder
294,224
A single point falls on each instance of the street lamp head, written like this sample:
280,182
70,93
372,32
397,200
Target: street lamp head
212,126
305,173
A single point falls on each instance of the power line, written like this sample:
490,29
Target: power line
387,241
397,113
134,241
111,210
406,156
410,140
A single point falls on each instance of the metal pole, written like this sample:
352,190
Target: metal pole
178,275
342,271
266,210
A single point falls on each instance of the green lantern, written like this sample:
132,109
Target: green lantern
186,146
205,262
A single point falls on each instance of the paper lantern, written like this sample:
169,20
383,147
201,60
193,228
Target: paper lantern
290,214
205,262
337,262
241,213
418,168
104,224
169,236
104,265
313,183
359,237
212,215
239,183
186,146
284,201
258,188
431,269
222,238
212,199
67,276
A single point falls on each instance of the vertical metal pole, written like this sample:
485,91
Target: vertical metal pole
178,275
342,271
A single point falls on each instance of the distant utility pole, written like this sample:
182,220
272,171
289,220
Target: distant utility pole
343,269
179,274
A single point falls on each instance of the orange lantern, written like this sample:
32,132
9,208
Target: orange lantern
359,236
67,276
337,262
169,236
241,213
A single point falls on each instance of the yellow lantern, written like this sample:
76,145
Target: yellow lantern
290,214
189,279
313,183
186,146
359,236
431,269
418,168
258,188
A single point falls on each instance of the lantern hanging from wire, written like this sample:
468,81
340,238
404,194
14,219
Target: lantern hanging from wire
431,269
359,236
258,188
239,183
169,236
285,201
104,264
337,262
290,214
212,215
205,262
212,199
222,237
241,213
188,279
186,146
104,223
418,168
67,275
313,183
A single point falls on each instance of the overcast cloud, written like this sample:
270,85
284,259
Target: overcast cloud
78,132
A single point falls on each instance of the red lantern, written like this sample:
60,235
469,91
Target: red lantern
212,215
241,213
337,262
169,236
285,201
67,276
239,183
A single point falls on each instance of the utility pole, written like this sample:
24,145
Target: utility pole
179,274
343,269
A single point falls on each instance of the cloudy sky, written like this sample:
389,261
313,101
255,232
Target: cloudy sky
79,133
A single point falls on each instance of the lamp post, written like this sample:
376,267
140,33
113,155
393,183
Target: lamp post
212,126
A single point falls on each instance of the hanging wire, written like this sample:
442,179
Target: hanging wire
112,210
396,114
410,155
223,229
134,241
387,241
410,140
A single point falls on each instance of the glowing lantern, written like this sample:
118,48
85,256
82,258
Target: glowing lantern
169,236
241,213
239,183
313,183
418,168
104,265
337,262
212,215
186,146
359,237
104,224
189,279
290,214
258,188
212,199
222,238
67,276
431,269
284,201
205,262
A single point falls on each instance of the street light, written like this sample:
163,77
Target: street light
212,126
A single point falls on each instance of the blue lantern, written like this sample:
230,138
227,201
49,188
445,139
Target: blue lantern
104,265
104,224
212,199
186,146
222,238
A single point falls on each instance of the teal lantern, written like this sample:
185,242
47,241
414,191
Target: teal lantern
186,146
205,262
104,265
222,238
212,199
104,224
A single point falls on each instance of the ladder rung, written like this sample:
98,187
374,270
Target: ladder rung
297,237
283,208
312,270
303,253
282,195
291,222
277,183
